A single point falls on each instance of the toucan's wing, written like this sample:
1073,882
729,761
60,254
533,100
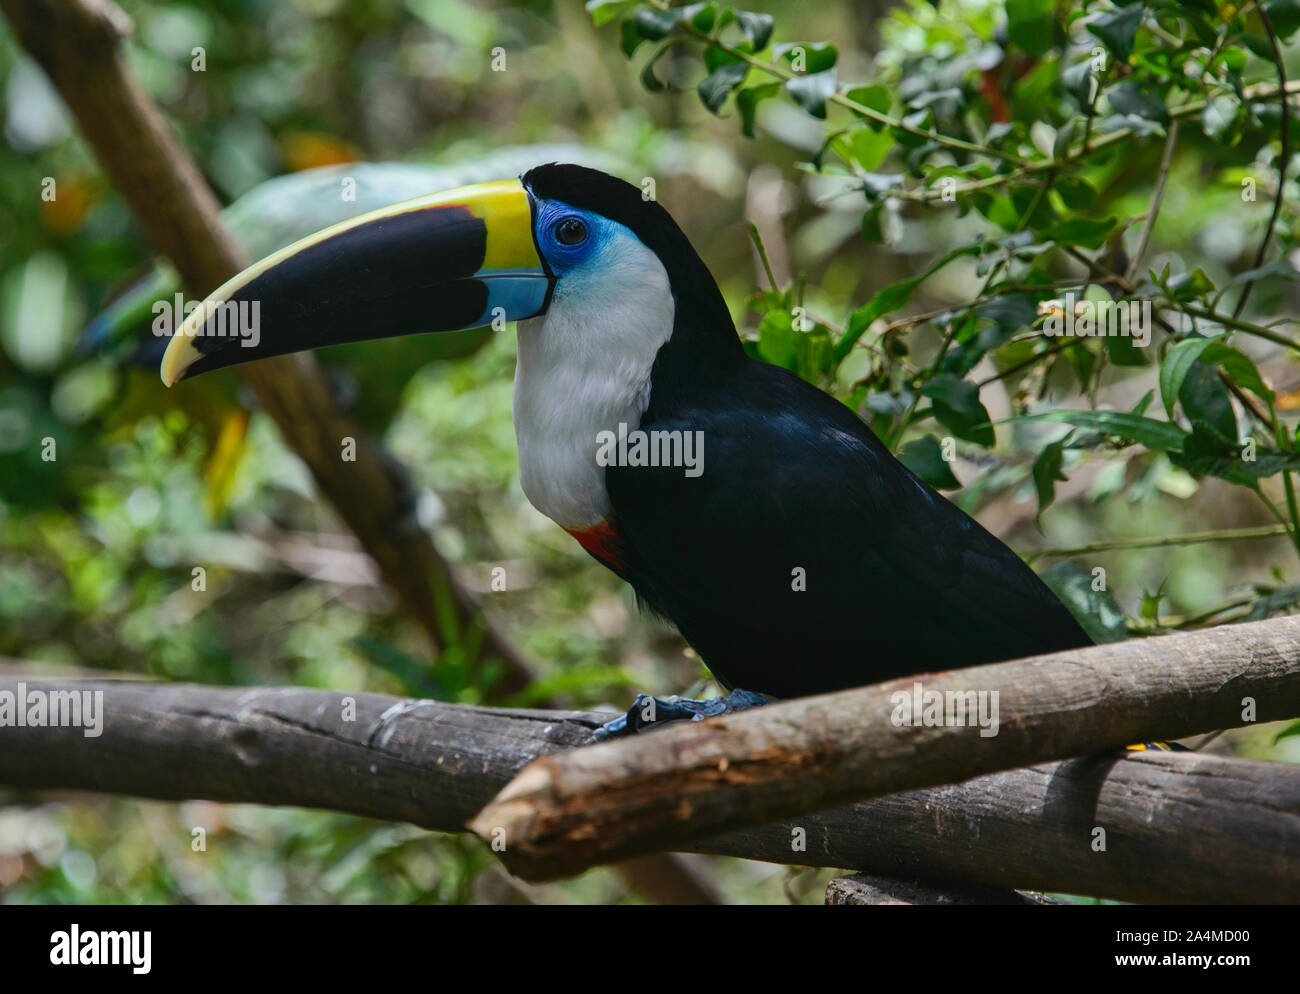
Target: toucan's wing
835,564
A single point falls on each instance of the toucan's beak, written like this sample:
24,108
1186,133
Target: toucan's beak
448,261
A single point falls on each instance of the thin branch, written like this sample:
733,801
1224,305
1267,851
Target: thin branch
1283,162
1157,195
762,254
1160,541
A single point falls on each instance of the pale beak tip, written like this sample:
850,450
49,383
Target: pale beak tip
180,355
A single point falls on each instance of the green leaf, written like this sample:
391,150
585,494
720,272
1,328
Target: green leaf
1227,463
630,38
1047,473
1076,193
889,299
778,342
1096,610
1042,216
1190,286
1285,17
747,101
884,301
1202,28
702,15
869,148
1081,231
655,24
1208,404
923,120
714,88
1289,732
1065,138
604,11
1129,98
1239,367
1221,118
1031,24
1232,59
1117,28
1173,369
756,27
648,78
808,59
812,91
872,228
1282,599
874,97
925,458
957,407
1159,436
715,57
1124,350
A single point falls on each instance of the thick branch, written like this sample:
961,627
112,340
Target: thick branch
1233,825
77,43
676,786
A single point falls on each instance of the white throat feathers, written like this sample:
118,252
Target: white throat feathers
583,368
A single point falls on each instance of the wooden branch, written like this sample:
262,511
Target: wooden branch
1178,826
681,784
77,42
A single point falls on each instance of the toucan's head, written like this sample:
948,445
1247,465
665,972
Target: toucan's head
561,238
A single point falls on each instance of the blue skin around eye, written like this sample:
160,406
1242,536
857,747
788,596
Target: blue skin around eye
560,256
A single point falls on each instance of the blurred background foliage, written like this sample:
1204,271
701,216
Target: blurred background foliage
97,547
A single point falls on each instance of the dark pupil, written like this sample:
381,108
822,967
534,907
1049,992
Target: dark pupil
570,231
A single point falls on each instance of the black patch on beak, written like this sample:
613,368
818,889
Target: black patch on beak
406,274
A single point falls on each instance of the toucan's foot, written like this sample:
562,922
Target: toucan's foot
649,712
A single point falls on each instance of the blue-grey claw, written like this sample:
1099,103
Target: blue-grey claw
663,711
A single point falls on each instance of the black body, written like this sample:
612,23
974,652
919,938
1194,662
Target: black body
898,579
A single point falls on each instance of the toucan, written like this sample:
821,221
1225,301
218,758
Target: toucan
760,515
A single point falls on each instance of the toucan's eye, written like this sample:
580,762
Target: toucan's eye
571,231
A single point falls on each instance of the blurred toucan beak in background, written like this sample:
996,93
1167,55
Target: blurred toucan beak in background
459,259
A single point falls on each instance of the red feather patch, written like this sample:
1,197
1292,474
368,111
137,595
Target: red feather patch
604,541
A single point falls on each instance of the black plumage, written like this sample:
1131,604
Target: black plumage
897,579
